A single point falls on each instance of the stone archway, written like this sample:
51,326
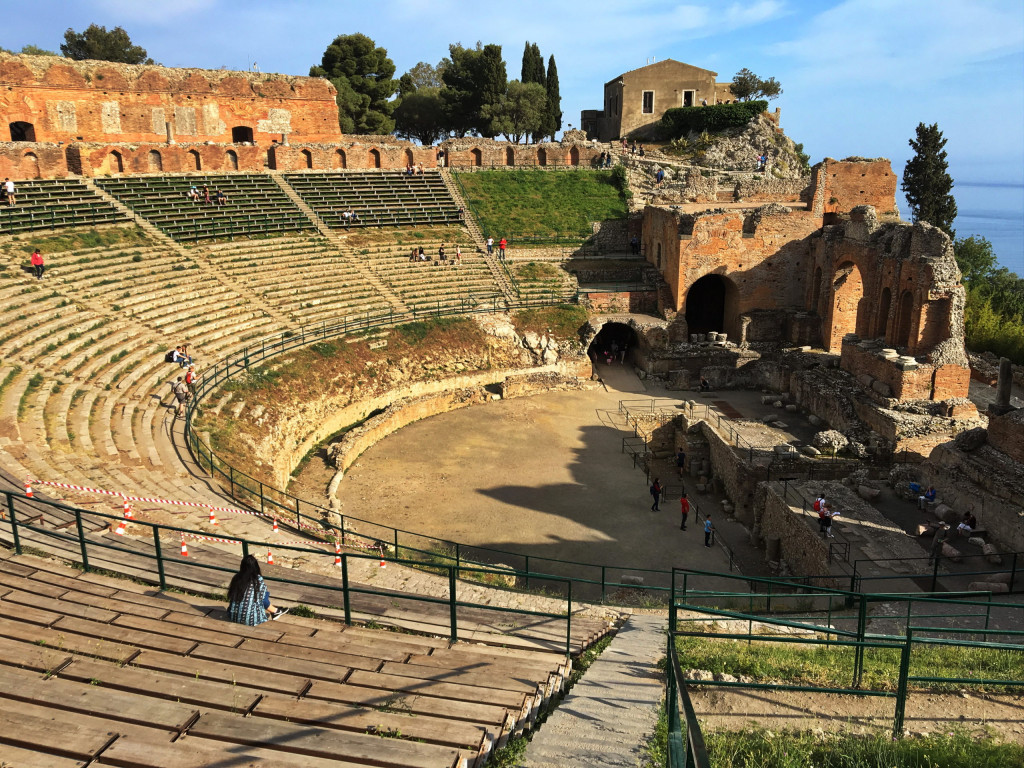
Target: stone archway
477,157
375,158
154,162
195,161
844,313
882,317
29,167
510,156
616,342
22,131
712,306
409,159
574,155
307,159
112,163
340,161
904,320
542,156
231,160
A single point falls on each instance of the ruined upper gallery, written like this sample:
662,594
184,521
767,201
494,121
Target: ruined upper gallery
52,99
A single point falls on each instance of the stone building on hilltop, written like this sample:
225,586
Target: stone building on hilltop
637,99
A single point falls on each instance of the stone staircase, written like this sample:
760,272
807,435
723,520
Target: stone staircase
397,304
499,274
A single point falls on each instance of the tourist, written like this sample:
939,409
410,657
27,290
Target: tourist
490,246
680,461
967,525
180,391
190,380
442,255
926,498
422,254
193,194
419,169
622,355
601,159
502,244
9,192
608,160
414,254
640,151
659,176
632,149
634,245
37,264
624,144
206,194
458,256
703,102
705,385
709,532
409,170
827,514
940,538
684,510
221,197
656,493
248,596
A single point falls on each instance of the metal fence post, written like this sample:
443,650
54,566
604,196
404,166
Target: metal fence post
298,514
14,524
568,622
901,689
159,557
344,590
858,660
81,540
452,606
1013,571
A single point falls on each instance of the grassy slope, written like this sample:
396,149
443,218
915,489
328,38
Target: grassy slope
511,203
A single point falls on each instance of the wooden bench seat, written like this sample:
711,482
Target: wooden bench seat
223,672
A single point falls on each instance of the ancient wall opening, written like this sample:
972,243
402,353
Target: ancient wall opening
510,156
847,301
882,318
241,134
375,158
712,304
542,156
113,163
194,160
409,160
905,320
30,166
614,343
231,160
307,159
22,131
477,157
154,162
340,161
574,156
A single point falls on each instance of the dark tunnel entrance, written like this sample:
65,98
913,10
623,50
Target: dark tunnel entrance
614,344
711,305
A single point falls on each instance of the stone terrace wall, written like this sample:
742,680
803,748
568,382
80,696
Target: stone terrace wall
115,159
99,101
32,160
842,185
804,551
485,153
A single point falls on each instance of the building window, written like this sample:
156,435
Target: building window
648,108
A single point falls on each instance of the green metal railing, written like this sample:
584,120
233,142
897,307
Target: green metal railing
159,559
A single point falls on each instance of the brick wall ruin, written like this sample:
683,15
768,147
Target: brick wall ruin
52,99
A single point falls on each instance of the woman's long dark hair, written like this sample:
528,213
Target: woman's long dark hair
248,573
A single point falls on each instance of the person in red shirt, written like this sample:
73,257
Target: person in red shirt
501,249
684,507
37,264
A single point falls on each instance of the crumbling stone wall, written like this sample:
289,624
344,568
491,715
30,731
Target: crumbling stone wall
32,160
486,153
91,159
805,552
101,101
842,185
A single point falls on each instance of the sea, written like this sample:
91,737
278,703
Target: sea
996,212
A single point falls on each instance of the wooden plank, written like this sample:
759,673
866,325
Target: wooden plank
27,584
258,660
122,635
160,685
420,640
16,757
28,614
170,629
333,658
413,703
14,567
76,584
511,700
475,677
383,649
202,669
91,700
456,659
269,631
65,607
115,604
431,730
193,752
303,740
50,638
31,656
35,726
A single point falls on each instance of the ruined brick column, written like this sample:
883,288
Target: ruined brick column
1003,389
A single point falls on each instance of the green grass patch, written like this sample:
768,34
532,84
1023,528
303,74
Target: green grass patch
564,321
756,748
33,384
832,666
536,270
517,203
112,238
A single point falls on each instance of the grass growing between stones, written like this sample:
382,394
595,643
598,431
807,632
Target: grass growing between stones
517,203
564,321
832,666
112,237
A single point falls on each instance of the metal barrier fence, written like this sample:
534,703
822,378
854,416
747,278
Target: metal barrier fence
86,545
915,633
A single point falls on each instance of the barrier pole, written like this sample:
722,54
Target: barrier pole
81,540
159,557
14,524
452,606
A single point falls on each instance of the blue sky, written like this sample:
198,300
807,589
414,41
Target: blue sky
858,75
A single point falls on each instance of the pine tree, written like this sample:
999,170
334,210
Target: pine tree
926,180
533,65
554,99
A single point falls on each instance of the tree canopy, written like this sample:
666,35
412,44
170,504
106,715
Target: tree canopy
420,115
533,65
422,75
554,121
475,78
746,86
363,75
97,42
521,111
926,180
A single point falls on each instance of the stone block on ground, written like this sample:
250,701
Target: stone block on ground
992,555
988,586
867,493
809,450
632,579
830,440
976,541
951,554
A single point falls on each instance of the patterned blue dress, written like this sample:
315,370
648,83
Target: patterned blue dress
252,609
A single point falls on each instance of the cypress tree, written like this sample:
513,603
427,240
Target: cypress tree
554,99
533,64
926,180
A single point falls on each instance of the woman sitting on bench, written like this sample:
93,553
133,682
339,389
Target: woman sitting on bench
248,596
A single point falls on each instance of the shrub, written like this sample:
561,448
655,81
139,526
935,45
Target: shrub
682,121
